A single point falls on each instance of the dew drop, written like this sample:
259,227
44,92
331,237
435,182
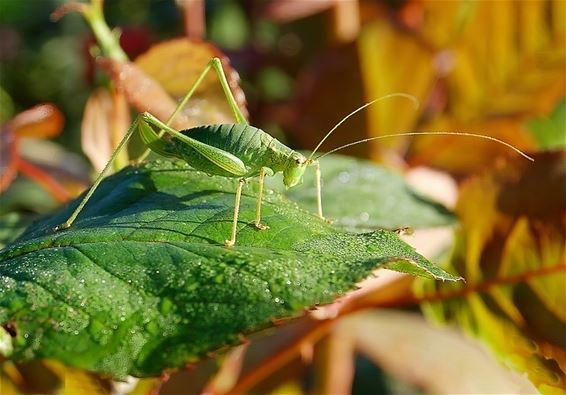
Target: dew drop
344,177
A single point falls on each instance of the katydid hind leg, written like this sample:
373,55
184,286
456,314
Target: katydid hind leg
119,148
215,64
232,241
257,222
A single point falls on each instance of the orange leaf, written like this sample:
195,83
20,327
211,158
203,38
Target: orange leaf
41,121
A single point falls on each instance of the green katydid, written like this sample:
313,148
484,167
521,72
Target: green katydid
236,150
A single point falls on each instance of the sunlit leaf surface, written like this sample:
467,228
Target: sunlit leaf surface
359,195
550,131
142,281
481,66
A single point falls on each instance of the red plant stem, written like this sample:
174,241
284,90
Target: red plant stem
11,169
194,19
44,179
313,331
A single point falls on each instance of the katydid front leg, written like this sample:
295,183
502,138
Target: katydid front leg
83,202
140,119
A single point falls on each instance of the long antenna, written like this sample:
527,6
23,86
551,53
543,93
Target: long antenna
405,95
447,133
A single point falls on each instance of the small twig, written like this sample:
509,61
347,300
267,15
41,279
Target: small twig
193,12
313,330
67,8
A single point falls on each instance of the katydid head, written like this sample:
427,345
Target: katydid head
295,169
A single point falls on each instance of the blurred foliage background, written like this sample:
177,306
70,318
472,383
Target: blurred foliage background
490,67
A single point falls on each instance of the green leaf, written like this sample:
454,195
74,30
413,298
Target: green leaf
550,132
359,196
12,225
142,282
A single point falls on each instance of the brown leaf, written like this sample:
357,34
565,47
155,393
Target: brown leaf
141,91
326,92
465,155
105,121
166,72
175,66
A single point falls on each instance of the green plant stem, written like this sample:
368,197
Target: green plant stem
107,40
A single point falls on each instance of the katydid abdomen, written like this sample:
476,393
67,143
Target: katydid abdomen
254,147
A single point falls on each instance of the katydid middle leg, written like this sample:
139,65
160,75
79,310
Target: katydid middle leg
318,190
257,222
232,241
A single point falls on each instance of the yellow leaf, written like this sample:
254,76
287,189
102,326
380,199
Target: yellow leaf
511,249
409,70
